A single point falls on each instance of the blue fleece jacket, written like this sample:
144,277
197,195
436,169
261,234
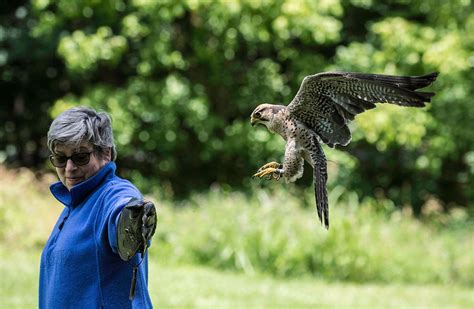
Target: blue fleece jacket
80,266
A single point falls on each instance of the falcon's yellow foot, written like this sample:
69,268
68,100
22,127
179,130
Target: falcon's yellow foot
272,170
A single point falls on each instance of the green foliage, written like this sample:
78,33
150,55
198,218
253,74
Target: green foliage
26,212
181,78
438,139
271,233
82,53
367,242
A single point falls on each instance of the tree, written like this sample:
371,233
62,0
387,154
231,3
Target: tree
180,79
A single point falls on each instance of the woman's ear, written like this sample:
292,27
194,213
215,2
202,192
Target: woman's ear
108,155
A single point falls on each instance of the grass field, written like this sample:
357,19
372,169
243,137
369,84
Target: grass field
174,285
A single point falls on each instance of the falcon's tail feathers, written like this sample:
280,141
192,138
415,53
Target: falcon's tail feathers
320,177
321,195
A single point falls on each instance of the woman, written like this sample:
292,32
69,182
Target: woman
90,259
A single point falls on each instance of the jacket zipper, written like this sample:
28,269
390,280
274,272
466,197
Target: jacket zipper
60,226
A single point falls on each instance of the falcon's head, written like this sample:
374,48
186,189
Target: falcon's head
265,113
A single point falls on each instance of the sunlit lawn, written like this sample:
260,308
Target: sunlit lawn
197,286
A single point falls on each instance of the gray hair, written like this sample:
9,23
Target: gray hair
82,124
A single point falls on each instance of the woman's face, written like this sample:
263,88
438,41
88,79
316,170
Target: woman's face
73,174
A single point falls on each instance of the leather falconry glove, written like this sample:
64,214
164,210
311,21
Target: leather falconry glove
136,227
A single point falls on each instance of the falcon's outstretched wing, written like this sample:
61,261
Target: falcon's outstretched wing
326,102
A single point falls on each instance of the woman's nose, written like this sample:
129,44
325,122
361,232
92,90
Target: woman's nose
70,165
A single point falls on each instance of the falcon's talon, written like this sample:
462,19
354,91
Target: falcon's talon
265,172
272,169
274,165
269,172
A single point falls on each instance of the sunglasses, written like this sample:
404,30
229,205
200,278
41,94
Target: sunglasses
79,159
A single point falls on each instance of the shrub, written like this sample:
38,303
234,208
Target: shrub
271,232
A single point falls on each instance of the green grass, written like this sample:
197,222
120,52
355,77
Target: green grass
173,285
260,234
194,286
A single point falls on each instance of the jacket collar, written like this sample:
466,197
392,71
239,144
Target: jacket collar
79,192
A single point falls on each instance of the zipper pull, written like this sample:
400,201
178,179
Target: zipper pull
60,227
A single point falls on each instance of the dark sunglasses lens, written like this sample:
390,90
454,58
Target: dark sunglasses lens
77,158
80,158
58,161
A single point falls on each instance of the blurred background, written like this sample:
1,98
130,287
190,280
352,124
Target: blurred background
180,79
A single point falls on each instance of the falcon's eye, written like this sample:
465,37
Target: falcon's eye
258,114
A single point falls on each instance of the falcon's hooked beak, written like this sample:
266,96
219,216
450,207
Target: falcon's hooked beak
253,120
256,118
263,114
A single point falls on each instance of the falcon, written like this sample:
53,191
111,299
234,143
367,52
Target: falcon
320,113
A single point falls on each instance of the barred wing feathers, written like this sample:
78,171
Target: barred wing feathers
326,102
